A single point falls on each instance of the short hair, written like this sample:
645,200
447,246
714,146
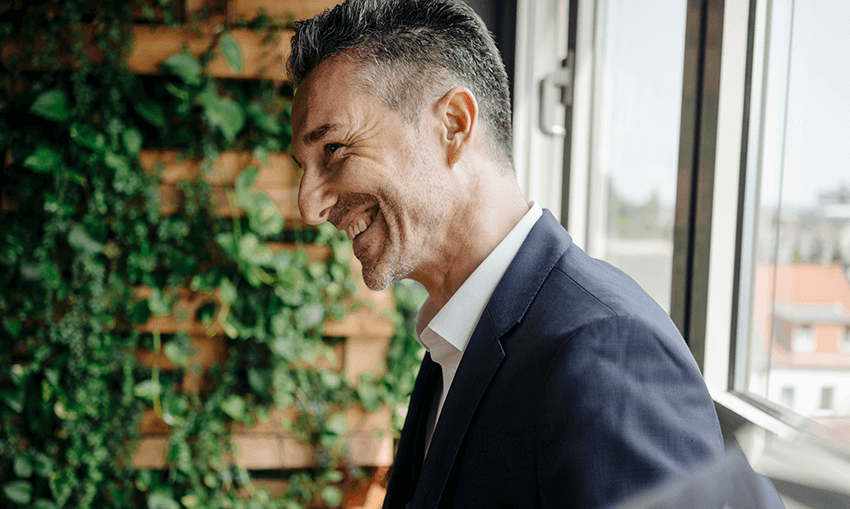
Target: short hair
408,50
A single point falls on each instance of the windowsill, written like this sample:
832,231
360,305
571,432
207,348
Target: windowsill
787,447
753,414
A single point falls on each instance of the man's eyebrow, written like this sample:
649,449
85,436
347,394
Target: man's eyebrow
320,132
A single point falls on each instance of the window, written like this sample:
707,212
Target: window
844,343
628,213
796,202
804,340
761,229
772,212
787,398
826,398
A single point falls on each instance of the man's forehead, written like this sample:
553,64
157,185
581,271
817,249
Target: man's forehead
322,90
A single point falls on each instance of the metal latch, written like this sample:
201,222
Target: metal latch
556,88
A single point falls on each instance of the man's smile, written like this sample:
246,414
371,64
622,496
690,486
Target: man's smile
360,223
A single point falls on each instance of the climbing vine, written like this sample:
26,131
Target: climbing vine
88,256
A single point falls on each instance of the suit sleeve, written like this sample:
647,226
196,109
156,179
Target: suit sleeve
624,409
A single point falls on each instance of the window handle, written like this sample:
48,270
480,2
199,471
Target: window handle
555,89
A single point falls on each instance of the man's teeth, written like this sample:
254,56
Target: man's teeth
358,226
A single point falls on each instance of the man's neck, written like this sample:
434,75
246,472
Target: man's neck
490,212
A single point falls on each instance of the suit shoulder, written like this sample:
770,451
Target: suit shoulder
601,289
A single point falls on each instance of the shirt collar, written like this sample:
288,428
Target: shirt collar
456,321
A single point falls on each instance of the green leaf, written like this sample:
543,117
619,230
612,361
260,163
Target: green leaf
336,424
253,251
282,260
148,389
186,67
264,216
223,113
280,323
43,465
179,91
258,381
132,140
227,241
13,327
262,119
332,496
261,153
80,240
117,163
19,492
228,291
330,379
161,499
189,501
73,176
334,476
244,181
151,111
43,160
158,303
309,316
178,352
23,466
52,105
232,53
52,375
44,503
368,394
284,346
89,137
235,407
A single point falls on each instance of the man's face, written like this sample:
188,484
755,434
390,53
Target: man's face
368,172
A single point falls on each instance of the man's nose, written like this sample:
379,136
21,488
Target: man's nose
315,199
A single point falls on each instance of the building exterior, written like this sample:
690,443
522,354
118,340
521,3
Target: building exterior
802,312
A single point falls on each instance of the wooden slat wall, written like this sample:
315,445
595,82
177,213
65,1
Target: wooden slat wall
367,332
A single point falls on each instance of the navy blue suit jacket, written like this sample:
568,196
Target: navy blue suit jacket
575,390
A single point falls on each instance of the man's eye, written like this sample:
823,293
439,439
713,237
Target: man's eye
330,148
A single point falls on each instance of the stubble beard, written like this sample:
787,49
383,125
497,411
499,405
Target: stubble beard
399,251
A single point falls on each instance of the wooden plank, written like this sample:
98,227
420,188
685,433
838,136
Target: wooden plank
153,45
365,355
270,446
8,203
297,9
281,171
151,452
279,179
372,320
211,351
171,200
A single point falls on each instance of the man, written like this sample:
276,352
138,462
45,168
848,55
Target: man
551,379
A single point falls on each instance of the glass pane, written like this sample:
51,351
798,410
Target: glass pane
796,311
636,139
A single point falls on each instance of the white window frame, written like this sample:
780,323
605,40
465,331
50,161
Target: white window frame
770,425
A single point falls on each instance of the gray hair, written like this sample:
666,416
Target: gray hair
409,50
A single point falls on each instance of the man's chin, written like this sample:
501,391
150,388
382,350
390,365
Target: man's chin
376,279
378,274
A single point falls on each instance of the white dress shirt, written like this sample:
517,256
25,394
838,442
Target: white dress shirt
449,329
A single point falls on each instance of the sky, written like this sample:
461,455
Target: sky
642,87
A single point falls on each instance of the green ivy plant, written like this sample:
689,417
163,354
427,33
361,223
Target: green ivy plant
82,232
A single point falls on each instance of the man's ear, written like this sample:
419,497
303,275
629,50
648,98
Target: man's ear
457,111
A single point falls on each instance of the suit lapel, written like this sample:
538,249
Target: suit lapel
410,445
482,358
545,244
